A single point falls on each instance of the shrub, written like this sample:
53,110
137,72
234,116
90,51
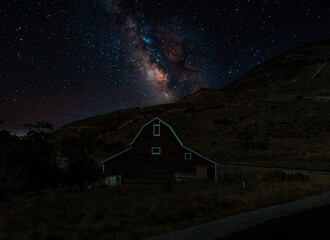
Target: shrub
298,177
111,129
190,109
320,157
110,147
167,186
222,121
280,176
275,176
246,139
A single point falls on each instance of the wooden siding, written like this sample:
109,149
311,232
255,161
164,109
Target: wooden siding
140,159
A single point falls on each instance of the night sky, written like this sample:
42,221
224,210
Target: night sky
62,61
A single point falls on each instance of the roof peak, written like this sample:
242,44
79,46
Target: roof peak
162,121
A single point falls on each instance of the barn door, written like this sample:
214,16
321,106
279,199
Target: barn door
210,173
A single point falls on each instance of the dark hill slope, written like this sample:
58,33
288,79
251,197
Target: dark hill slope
278,113
292,70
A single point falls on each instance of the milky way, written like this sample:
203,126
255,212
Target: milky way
64,60
158,57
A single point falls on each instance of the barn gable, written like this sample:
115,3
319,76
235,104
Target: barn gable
174,134
157,150
160,122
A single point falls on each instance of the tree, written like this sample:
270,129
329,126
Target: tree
12,171
40,130
27,163
246,140
79,164
40,159
249,140
4,135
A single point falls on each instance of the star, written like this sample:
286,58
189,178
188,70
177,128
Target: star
71,61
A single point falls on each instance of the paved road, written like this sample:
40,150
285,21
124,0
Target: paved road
309,224
307,218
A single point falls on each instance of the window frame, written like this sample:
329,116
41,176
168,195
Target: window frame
156,125
187,154
156,153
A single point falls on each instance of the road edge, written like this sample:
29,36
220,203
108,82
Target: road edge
224,227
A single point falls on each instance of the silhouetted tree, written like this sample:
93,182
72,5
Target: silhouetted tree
246,140
4,135
12,171
79,165
28,162
39,131
40,163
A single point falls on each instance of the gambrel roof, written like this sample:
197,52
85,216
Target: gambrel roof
161,121
175,135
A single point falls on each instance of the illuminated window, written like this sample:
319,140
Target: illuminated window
156,129
187,156
155,150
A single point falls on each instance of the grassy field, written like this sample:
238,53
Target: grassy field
138,211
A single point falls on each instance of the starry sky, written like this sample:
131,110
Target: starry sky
66,60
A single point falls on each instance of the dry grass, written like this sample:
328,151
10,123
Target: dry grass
138,211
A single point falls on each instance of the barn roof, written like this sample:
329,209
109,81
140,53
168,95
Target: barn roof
166,124
116,155
172,130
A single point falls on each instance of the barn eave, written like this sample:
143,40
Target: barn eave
200,155
116,155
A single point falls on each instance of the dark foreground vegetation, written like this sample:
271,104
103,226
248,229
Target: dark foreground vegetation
32,162
138,211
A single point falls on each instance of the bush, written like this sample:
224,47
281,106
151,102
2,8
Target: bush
113,146
222,121
190,109
246,140
167,186
280,176
275,176
298,177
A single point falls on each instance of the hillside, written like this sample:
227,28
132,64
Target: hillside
278,113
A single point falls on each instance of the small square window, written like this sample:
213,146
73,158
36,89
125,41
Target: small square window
156,129
155,150
187,156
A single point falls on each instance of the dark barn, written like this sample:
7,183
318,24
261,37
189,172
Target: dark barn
156,155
